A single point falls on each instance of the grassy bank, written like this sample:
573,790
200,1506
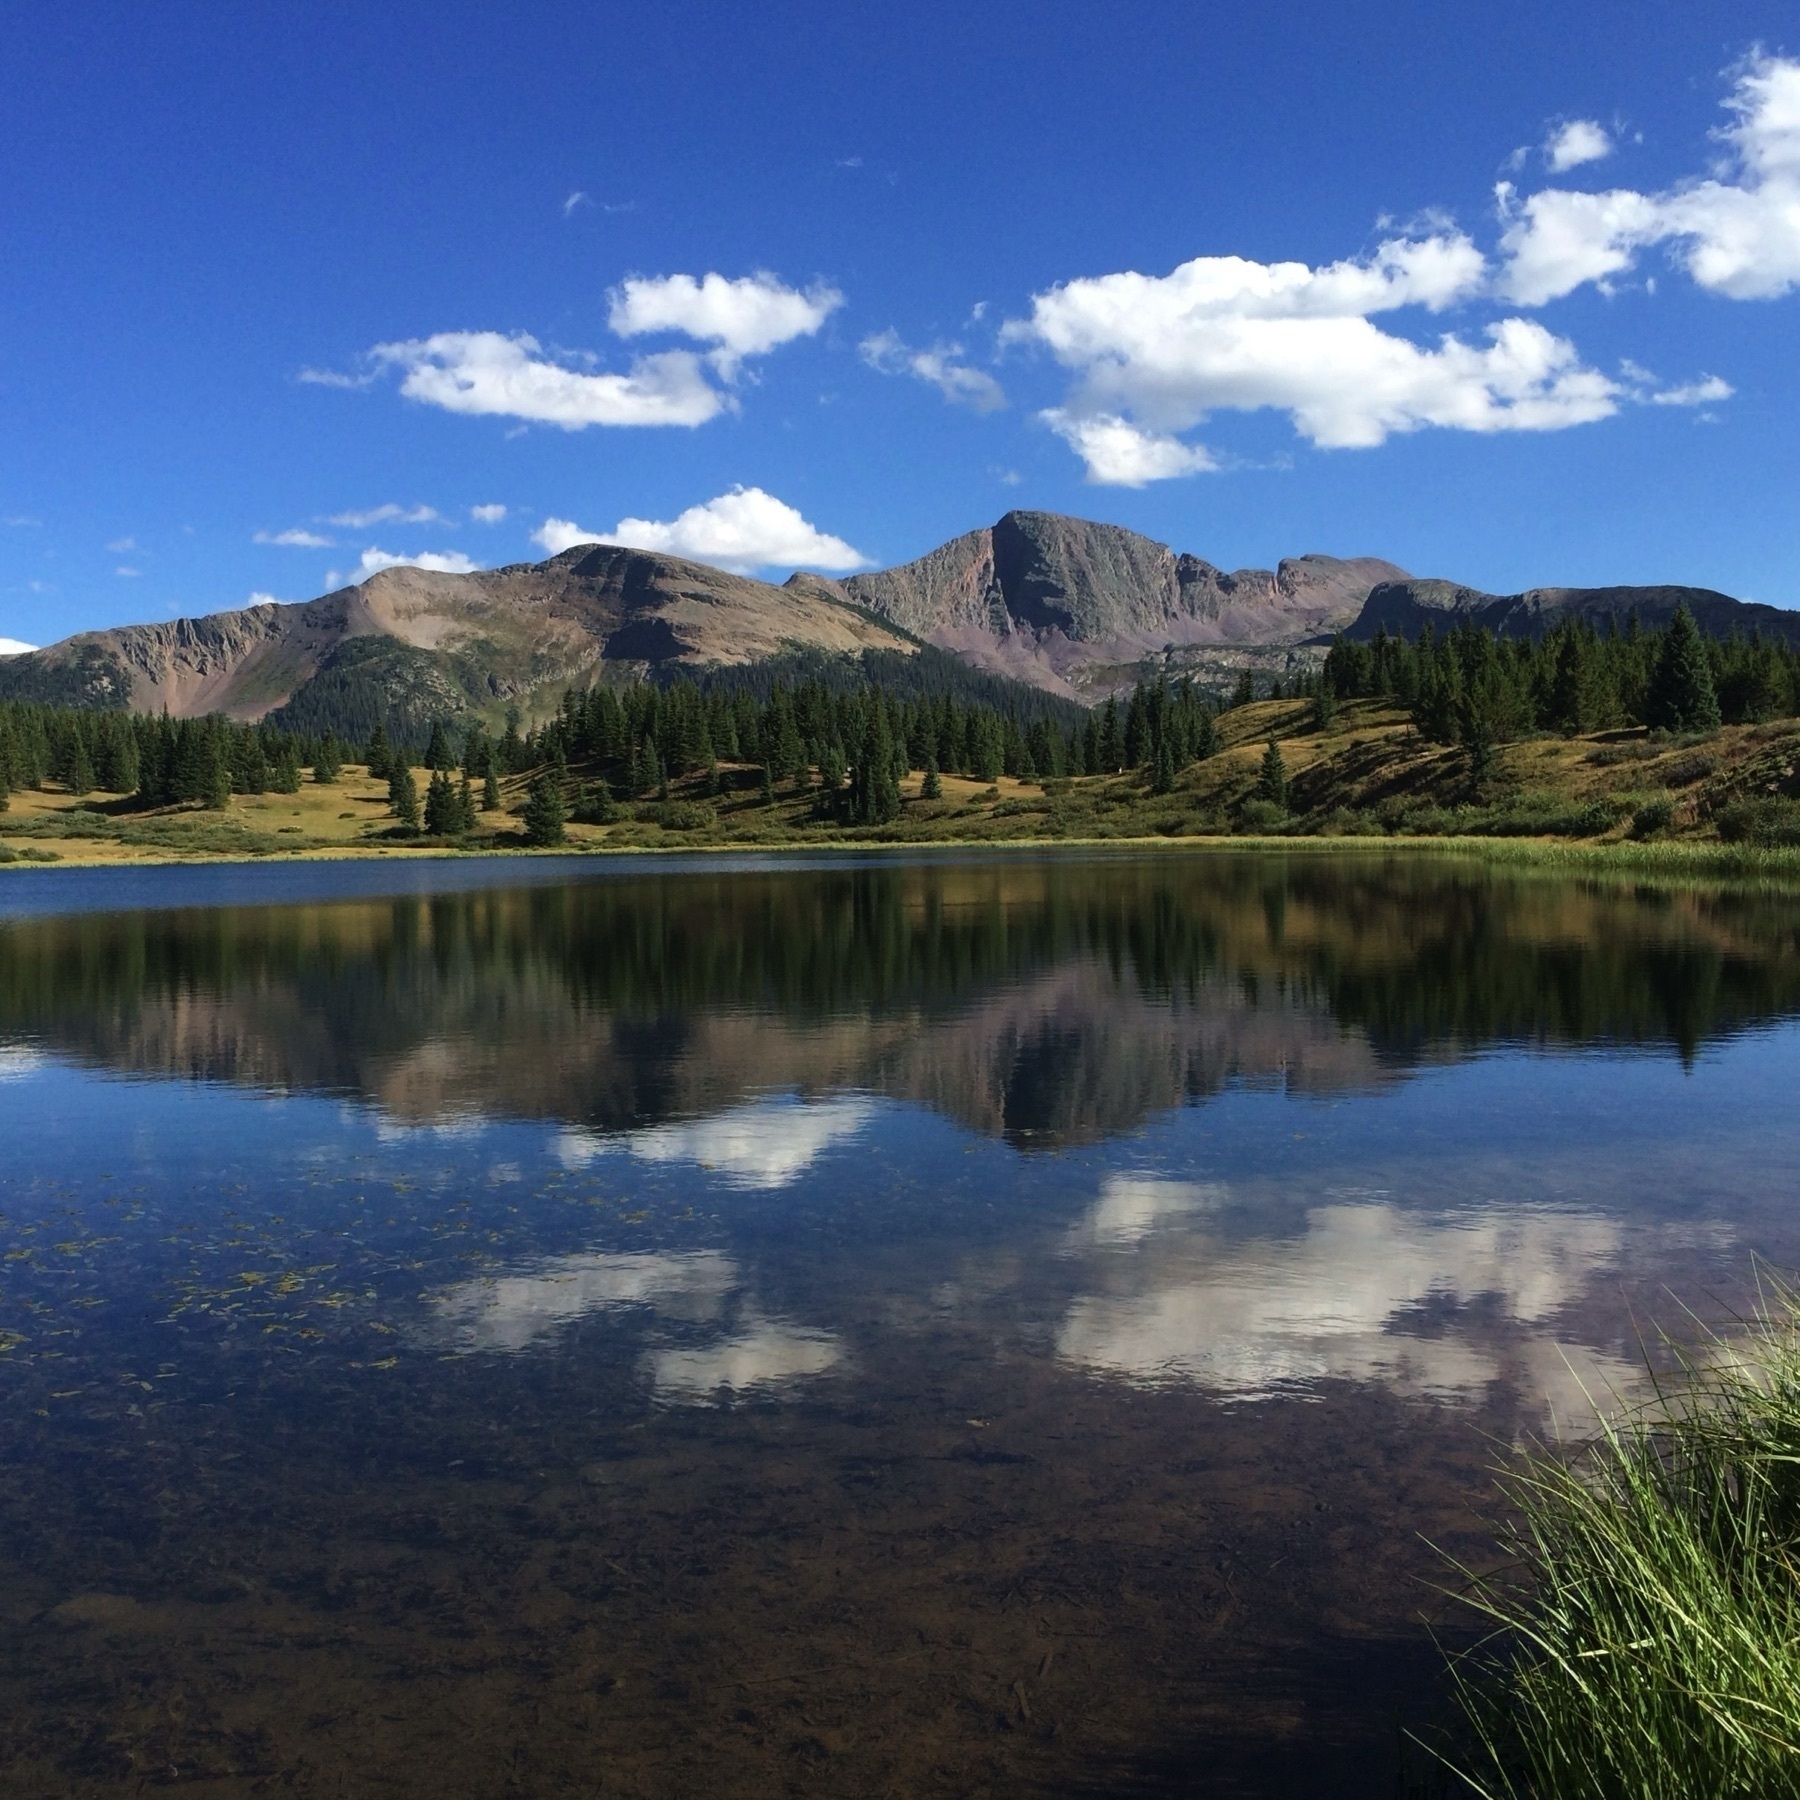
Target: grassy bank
1647,1630
1621,800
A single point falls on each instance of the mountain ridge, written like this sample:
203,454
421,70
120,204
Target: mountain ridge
1074,607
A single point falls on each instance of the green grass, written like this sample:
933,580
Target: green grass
1646,1631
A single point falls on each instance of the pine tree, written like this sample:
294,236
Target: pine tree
490,791
440,805
403,795
1162,766
1682,696
379,754
1272,782
465,805
217,792
545,816
328,761
438,755
284,778
1244,694
932,787
80,778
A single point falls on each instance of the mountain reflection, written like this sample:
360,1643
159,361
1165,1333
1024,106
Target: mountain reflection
1049,1002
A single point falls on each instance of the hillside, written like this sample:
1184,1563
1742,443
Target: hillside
412,642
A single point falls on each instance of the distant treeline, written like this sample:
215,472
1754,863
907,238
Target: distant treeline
861,736
1467,684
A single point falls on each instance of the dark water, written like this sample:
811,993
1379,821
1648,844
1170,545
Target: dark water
982,1326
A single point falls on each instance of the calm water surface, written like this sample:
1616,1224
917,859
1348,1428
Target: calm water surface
956,1326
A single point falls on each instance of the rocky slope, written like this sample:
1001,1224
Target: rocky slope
1063,602
513,635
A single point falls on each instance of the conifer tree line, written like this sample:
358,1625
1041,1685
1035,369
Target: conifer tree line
1468,686
853,745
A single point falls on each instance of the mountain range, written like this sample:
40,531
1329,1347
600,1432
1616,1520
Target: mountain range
1069,606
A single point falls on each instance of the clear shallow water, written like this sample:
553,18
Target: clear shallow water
946,1326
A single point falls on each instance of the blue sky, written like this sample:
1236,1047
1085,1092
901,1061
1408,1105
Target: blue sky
818,284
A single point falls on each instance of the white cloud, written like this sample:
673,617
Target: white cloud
124,546
19,521
295,539
743,530
333,378
388,514
125,569
1736,233
1118,454
1579,141
259,598
487,373
955,380
747,317
1155,355
578,198
447,562
1696,393
15,647
488,515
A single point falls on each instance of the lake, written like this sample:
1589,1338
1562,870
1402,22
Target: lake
964,1325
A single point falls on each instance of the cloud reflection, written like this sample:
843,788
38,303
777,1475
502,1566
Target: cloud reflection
1176,1300
768,1353
766,1144
511,1312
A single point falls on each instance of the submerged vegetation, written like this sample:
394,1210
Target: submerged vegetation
1647,1629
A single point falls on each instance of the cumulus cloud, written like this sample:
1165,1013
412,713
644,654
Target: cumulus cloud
1155,355
373,561
1579,141
1118,454
491,514
747,317
940,366
1736,232
296,539
488,373
15,647
743,530
496,374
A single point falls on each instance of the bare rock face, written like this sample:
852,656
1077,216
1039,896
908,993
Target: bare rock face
1064,603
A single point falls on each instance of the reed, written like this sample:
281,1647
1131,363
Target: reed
1645,1635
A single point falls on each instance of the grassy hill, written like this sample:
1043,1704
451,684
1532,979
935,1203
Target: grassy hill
1368,775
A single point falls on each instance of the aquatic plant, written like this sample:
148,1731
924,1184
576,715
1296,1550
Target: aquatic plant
1646,1637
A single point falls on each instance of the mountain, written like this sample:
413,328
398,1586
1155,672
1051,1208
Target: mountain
1407,606
423,643
1058,601
1074,608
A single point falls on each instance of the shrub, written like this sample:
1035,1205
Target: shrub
1653,816
1769,823
679,815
